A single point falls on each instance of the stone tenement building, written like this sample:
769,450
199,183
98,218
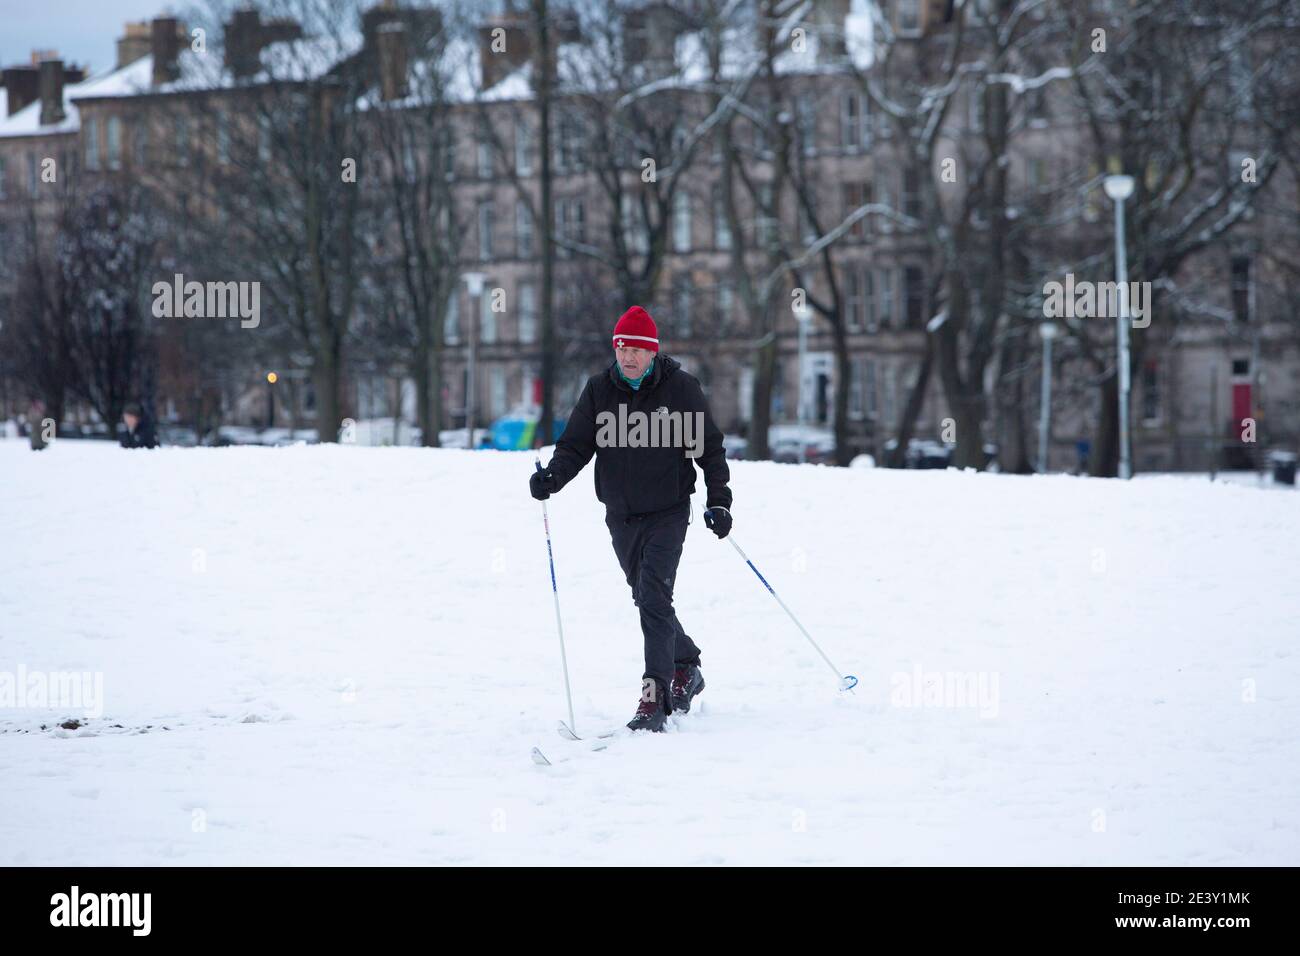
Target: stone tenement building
165,107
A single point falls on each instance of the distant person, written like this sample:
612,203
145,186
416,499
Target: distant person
646,490
139,430
1083,448
36,425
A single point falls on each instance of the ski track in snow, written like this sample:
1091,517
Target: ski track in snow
353,651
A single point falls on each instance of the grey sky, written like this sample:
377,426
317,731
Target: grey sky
84,31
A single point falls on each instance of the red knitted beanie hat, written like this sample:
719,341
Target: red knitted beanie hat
635,329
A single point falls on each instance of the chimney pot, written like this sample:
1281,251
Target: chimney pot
51,83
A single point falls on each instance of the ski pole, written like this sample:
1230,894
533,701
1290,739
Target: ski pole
559,626
847,681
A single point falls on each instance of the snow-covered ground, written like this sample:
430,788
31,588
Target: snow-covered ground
344,655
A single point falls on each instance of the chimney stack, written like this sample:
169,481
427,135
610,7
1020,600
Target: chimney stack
247,34
22,84
134,43
243,44
391,40
51,84
165,47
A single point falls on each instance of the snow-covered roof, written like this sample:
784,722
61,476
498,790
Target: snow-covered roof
126,81
27,121
286,60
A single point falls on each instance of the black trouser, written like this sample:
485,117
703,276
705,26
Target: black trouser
648,549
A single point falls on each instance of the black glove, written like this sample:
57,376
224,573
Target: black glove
542,484
718,520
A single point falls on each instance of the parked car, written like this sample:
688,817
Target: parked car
784,442
735,446
237,435
921,453
177,435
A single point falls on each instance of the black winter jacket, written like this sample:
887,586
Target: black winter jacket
144,436
642,480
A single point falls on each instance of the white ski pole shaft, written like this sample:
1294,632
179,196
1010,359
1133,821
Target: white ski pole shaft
559,624
847,681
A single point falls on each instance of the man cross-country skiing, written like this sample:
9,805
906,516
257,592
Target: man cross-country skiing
646,487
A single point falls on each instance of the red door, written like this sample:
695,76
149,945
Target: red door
1240,403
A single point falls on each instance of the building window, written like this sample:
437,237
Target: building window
912,192
808,232
485,214
857,402
869,385
721,227
855,196
681,221
91,129
806,122
264,138
181,139
140,144
570,223
410,169
860,301
884,221
855,122
568,145
33,179
451,320
483,162
636,238
447,152
683,303
888,383
766,214
914,297
527,312
114,130
1036,106
854,305
724,302
523,149
523,230
975,109
1150,392
635,234
497,391
885,287
222,119
1242,288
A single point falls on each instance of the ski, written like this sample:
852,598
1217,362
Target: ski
568,733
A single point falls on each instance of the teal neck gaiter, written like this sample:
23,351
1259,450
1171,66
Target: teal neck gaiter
636,382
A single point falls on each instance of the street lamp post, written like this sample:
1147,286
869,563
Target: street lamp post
1048,331
474,282
1119,188
802,316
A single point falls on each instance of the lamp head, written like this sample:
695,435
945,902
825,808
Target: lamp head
1118,187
